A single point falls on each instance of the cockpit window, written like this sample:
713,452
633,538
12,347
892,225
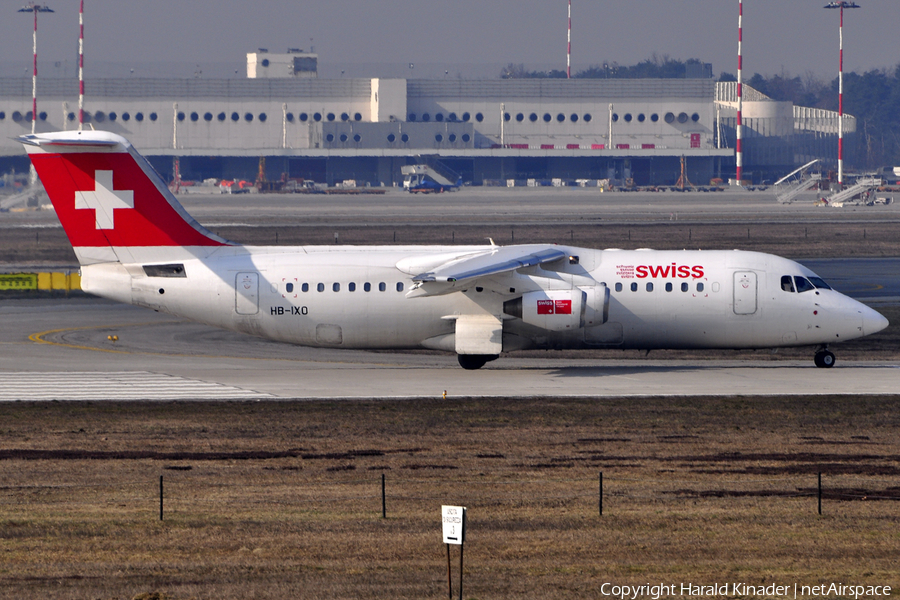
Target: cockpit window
820,283
787,283
803,285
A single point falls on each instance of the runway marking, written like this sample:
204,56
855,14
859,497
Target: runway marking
114,385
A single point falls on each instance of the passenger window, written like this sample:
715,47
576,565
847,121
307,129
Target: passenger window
619,287
699,287
803,285
367,287
669,287
320,287
787,283
382,287
399,286
649,287
684,287
335,287
289,287
633,287
819,283
305,287
351,287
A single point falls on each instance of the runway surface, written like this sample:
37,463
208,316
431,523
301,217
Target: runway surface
59,350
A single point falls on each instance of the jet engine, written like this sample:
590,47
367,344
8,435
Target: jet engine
559,310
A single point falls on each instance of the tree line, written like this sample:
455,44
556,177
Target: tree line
872,97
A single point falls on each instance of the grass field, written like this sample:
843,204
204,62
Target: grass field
283,500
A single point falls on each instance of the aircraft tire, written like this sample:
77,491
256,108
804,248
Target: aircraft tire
824,359
472,362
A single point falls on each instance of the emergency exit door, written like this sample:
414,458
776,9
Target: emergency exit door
246,293
745,290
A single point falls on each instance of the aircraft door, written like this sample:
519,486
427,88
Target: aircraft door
745,288
246,293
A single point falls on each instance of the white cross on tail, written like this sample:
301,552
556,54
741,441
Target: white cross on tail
104,199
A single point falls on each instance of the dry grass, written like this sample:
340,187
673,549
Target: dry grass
277,500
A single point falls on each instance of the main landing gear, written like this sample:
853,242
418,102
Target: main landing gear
471,362
824,358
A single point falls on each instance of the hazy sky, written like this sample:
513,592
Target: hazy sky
468,37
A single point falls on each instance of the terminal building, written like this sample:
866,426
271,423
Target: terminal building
499,131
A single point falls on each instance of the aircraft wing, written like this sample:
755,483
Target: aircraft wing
457,272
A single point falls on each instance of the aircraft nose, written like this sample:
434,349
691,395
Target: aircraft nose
873,321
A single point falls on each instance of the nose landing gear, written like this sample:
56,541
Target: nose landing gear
824,359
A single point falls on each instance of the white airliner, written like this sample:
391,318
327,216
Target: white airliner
136,244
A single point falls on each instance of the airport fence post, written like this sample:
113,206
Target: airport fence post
820,492
600,495
383,501
160,497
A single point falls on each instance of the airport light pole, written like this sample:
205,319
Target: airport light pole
841,5
34,8
739,125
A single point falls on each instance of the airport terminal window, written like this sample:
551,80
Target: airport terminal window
573,117
304,287
320,287
700,287
466,137
235,116
329,137
615,117
351,287
682,117
17,116
289,117
263,117
479,117
466,117
345,117
669,287
194,116
317,117
2,115
642,118
391,137
438,138
560,117
367,287
335,287
42,116
411,117
399,286
289,287
125,116
100,116
803,285
208,117
343,137
303,117
139,116
426,117
452,117
331,116
684,287
507,116
634,287
628,117
587,117
356,137
404,138
439,117
248,117
452,137
547,117
695,117
265,62
520,117
28,116
357,117
654,117
787,283
533,117
153,116
382,287
670,118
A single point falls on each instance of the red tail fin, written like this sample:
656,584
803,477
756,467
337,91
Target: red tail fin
110,201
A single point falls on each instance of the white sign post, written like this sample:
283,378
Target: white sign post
453,523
